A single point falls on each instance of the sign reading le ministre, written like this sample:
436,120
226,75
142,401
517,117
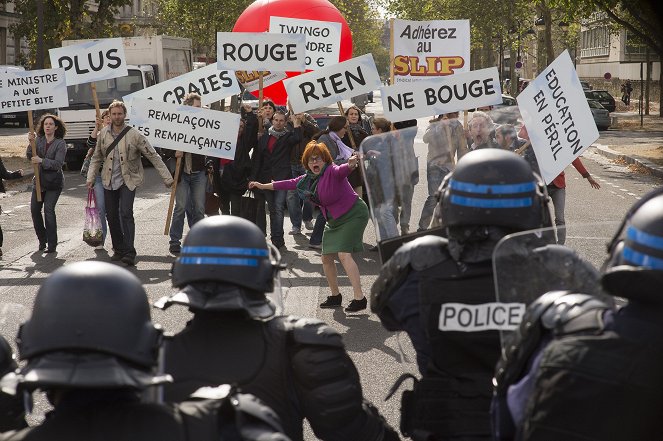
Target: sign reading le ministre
22,90
332,84
557,116
91,61
442,95
186,128
261,51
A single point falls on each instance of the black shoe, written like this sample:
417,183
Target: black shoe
116,257
175,249
50,250
332,301
356,305
42,246
129,260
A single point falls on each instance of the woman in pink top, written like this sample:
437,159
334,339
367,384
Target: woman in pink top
326,185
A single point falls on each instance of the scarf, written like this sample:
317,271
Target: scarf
307,187
276,134
343,150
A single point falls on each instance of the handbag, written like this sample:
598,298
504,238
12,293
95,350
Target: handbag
248,206
92,233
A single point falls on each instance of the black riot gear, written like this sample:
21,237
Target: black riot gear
12,414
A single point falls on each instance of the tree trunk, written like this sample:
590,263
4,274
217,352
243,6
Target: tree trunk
660,86
647,80
39,55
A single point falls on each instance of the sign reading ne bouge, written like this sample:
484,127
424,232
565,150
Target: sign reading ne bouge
22,90
91,61
442,95
209,82
332,83
186,128
557,116
425,49
260,51
323,38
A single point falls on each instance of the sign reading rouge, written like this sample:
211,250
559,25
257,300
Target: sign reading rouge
323,38
32,90
91,61
260,51
186,128
557,116
454,93
332,84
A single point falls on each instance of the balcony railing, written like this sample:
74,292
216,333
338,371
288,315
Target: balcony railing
595,52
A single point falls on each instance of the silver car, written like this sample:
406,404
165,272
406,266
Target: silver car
600,114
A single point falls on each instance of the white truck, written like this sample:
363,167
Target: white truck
150,60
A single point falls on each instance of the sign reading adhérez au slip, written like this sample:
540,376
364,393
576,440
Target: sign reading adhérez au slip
22,90
323,38
186,128
452,93
333,83
261,51
91,61
557,116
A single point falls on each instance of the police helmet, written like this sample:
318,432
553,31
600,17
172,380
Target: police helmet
7,359
90,327
634,268
493,187
226,264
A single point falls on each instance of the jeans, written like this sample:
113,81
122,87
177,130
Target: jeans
435,174
298,209
405,201
558,197
318,229
49,233
120,215
275,203
190,193
101,205
386,214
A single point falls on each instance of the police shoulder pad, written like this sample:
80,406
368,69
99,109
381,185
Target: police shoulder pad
310,331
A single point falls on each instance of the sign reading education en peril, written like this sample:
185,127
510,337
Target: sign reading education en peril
442,95
91,61
332,84
323,38
261,51
186,128
22,90
425,49
557,116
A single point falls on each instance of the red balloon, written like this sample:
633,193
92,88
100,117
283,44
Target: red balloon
255,18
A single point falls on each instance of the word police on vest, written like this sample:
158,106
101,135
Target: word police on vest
484,317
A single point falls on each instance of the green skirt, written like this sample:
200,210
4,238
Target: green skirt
346,234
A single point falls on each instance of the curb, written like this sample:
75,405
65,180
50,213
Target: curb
654,169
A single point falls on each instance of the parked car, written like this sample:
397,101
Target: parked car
322,119
600,114
585,86
603,97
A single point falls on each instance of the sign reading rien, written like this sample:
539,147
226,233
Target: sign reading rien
32,90
260,51
332,84
91,61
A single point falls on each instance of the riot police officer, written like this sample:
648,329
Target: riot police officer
441,292
12,413
599,377
297,366
92,347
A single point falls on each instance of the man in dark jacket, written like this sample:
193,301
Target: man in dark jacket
299,210
271,162
4,174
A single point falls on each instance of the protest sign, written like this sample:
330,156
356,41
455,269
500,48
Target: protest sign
323,38
424,49
442,95
332,83
251,80
186,128
210,83
91,61
557,116
261,51
22,90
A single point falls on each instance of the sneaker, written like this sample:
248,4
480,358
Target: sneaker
332,301
308,224
175,249
405,229
129,260
294,231
99,247
357,305
42,246
116,257
317,246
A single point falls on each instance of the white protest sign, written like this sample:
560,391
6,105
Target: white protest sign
186,128
260,51
251,80
484,317
208,82
32,90
424,49
91,61
442,95
323,38
332,83
557,116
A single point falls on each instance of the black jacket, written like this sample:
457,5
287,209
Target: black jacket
5,174
275,165
235,175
